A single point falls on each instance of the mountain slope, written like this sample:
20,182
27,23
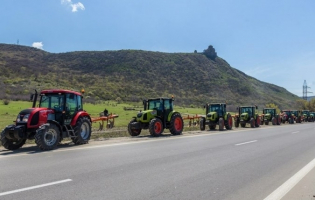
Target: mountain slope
132,75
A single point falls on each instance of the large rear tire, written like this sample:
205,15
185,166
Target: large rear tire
47,136
229,122
257,121
202,124
133,132
156,127
221,124
82,131
176,124
10,145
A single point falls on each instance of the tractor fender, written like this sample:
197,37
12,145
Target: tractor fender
171,114
80,114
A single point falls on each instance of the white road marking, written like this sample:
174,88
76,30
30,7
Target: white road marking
34,187
291,182
246,142
295,132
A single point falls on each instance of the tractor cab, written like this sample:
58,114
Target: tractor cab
162,106
65,104
270,111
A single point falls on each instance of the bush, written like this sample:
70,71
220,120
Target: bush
6,102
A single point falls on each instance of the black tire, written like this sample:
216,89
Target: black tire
212,127
176,124
290,120
47,136
202,124
82,131
267,122
252,122
133,132
156,127
243,125
10,145
273,120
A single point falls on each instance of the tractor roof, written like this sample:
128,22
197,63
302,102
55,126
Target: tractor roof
60,91
269,108
159,98
247,106
217,103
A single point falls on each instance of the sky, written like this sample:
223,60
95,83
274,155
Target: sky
272,41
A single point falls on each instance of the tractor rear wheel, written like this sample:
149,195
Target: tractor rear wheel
274,121
82,131
133,132
176,124
252,122
47,136
229,122
156,127
11,145
202,124
221,124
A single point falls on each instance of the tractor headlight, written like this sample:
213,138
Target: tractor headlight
18,118
25,118
139,114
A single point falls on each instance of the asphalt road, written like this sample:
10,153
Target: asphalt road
242,164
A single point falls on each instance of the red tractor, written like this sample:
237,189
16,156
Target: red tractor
58,115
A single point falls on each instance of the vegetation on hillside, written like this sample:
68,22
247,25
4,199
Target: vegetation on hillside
132,75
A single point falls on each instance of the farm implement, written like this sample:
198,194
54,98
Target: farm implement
110,121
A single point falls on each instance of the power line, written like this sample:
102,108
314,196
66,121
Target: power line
305,87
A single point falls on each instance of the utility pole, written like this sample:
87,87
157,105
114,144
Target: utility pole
305,90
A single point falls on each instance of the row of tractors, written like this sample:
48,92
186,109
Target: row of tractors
59,114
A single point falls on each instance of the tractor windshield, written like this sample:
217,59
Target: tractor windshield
246,110
305,112
155,104
295,113
216,108
271,111
53,101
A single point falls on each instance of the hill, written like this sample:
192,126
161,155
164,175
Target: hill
131,75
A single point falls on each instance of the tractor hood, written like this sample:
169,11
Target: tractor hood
244,116
146,115
212,116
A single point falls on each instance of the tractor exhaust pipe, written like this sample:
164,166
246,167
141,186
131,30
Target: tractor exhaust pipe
34,98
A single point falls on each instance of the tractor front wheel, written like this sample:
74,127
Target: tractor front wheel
156,127
11,145
176,124
82,131
47,136
133,132
202,124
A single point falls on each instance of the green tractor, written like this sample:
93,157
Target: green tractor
157,115
306,116
296,114
216,115
270,115
247,114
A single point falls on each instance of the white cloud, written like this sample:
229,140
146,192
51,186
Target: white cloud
38,45
75,6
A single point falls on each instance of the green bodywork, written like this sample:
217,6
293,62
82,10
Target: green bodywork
147,115
269,113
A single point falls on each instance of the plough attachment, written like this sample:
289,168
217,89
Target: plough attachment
193,119
110,121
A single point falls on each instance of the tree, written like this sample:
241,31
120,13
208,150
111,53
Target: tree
210,52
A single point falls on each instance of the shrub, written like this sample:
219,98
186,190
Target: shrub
6,102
